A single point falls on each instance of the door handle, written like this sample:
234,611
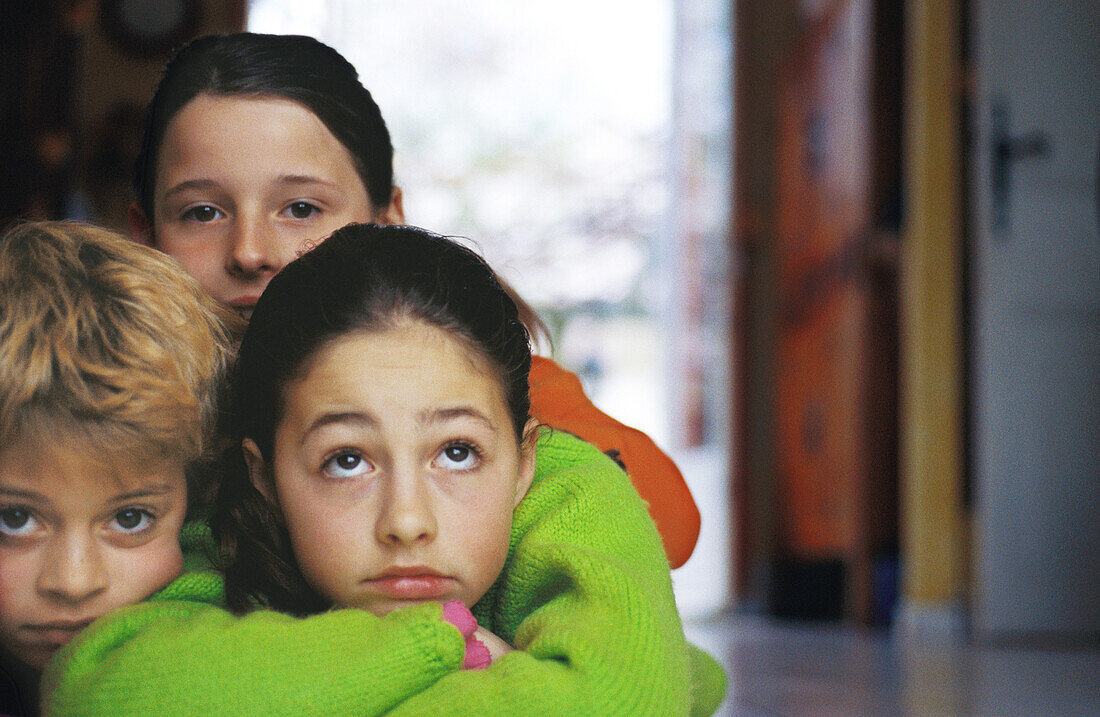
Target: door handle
1005,151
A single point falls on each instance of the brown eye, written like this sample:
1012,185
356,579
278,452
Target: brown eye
17,522
133,520
458,456
203,213
457,453
302,210
14,518
347,464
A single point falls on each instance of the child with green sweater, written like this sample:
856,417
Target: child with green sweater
388,466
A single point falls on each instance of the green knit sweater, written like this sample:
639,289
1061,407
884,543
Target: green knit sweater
585,596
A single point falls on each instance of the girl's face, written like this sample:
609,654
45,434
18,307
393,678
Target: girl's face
243,185
78,538
397,469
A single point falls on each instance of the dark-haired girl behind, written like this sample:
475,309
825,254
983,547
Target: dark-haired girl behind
257,145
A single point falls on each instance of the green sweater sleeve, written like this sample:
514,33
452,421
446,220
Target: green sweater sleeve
586,598
181,653
187,658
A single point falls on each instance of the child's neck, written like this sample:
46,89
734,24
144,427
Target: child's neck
18,687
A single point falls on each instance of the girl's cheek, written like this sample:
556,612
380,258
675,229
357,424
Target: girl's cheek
149,568
16,578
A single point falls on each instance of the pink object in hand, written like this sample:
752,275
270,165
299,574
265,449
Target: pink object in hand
477,654
460,616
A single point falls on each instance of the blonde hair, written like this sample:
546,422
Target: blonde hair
108,340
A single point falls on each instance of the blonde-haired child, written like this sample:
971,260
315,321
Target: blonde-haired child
111,361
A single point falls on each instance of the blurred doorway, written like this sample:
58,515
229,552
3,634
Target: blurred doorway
1036,348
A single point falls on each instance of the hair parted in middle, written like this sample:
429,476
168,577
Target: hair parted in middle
292,67
108,341
363,278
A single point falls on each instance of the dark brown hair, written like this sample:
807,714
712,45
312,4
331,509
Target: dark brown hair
363,278
293,67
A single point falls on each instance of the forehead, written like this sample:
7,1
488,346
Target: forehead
413,361
64,464
253,136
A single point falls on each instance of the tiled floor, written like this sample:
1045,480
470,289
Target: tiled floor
778,668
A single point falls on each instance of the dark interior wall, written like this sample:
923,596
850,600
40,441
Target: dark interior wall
764,34
35,87
72,93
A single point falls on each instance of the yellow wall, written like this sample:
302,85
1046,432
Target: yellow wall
933,542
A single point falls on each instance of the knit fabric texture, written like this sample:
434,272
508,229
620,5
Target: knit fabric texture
585,596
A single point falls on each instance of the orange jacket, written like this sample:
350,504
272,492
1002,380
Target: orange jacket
558,400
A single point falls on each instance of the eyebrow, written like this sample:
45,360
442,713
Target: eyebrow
203,184
190,184
305,179
429,417
156,489
442,415
150,491
22,494
328,419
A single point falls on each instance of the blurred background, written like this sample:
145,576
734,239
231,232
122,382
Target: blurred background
839,258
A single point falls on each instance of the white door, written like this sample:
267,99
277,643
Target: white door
1036,294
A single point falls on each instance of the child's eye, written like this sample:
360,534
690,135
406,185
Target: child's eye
346,464
458,456
133,520
202,213
302,210
17,522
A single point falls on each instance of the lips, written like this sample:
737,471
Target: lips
244,305
411,583
57,632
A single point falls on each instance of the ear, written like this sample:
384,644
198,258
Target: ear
257,470
141,229
395,212
526,460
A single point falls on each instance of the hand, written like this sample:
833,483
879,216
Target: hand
477,654
497,647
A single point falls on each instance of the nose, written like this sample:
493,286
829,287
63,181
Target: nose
407,516
74,570
252,250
